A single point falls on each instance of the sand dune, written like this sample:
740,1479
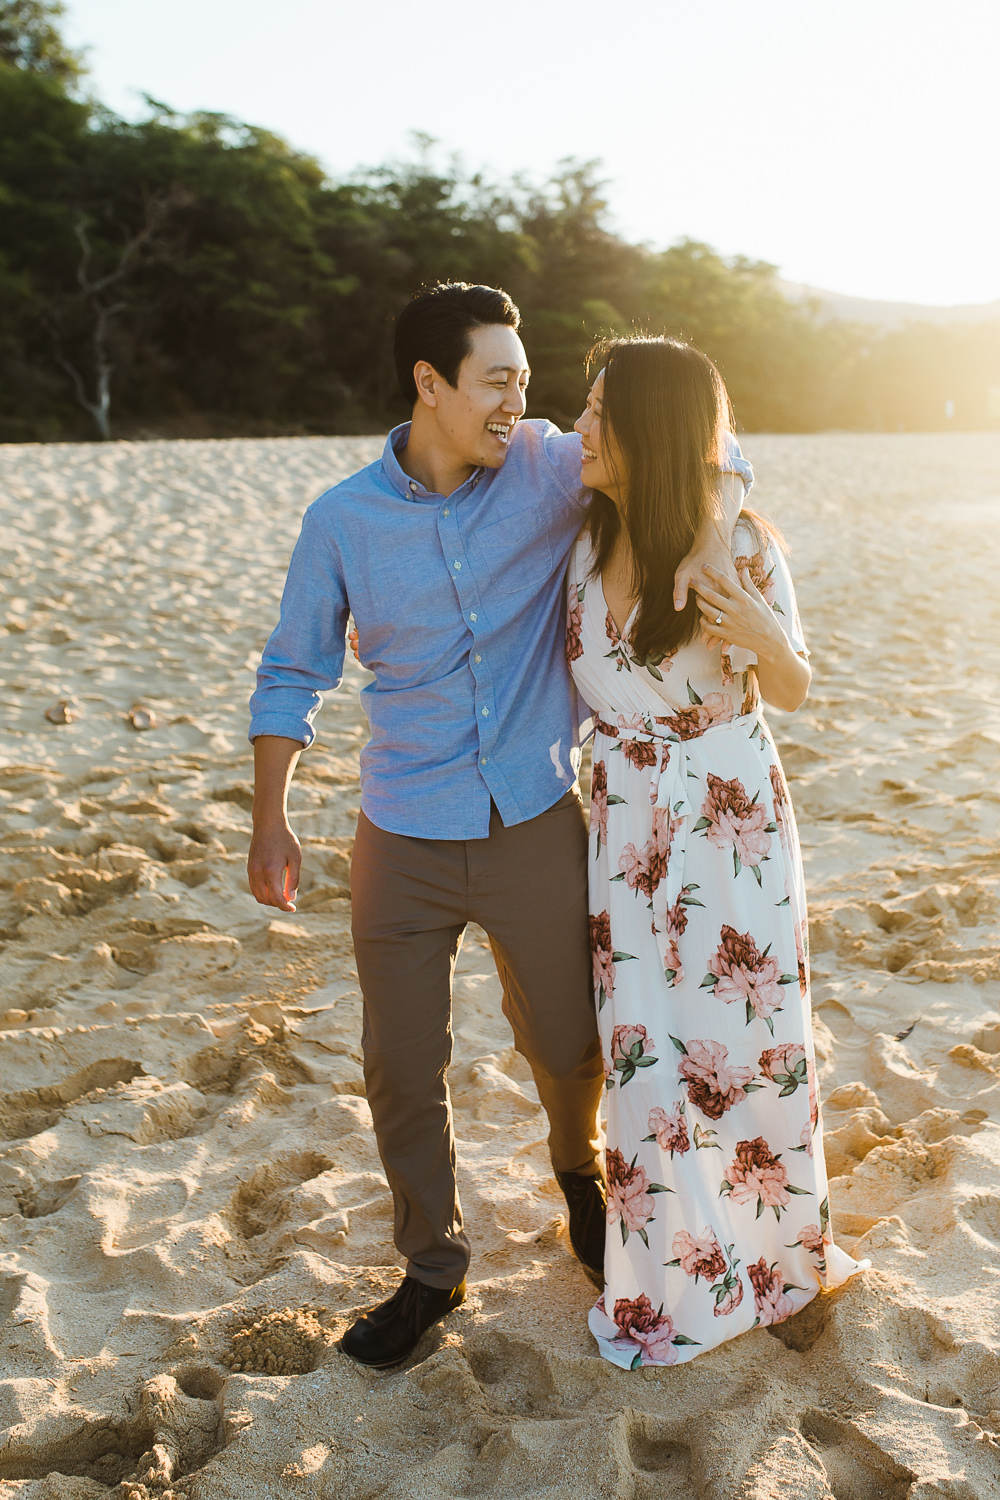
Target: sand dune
191,1204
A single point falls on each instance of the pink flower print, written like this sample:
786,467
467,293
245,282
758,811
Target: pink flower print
599,801
806,1140
775,1061
601,726
726,665
630,1049
779,791
673,969
651,1333
611,630
730,819
802,953
701,1257
630,1195
639,753
713,1085
761,575
603,956
674,929
574,624
624,1038
731,1298
632,865
669,1129
813,1094
644,868
810,1237
689,723
755,1172
739,973
785,1065
773,1304
631,723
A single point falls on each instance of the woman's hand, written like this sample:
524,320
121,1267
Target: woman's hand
352,641
739,615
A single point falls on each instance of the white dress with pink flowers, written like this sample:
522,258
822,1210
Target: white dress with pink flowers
718,1217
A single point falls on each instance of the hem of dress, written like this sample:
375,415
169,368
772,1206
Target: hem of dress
625,1358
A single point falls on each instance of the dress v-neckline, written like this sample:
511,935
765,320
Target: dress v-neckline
622,631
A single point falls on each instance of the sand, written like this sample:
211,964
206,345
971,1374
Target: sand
191,1204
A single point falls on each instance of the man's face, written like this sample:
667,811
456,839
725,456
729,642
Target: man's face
476,418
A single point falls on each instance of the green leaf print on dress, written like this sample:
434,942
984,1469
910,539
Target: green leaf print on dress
628,1052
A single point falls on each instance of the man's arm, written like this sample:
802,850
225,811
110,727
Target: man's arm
303,658
275,859
713,544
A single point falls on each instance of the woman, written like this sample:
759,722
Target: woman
718,1216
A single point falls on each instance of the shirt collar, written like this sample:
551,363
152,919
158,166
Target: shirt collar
412,489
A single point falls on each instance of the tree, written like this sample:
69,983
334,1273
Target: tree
30,39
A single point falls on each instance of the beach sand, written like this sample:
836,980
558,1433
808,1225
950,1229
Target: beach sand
191,1204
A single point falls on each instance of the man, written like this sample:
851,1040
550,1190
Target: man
450,553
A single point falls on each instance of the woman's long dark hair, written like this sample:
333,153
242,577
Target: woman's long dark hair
666,411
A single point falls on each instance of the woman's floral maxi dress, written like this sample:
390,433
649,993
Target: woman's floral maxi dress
718,1216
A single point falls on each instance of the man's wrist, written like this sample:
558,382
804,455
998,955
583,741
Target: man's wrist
270,820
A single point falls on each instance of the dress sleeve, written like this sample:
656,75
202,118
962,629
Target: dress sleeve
767,567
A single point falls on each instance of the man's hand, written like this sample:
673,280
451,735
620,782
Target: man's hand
275,859
274,865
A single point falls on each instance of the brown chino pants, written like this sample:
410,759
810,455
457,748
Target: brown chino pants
411,900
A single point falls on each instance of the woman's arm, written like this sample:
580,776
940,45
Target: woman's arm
748,621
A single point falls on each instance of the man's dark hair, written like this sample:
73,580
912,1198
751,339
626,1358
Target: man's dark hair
435,325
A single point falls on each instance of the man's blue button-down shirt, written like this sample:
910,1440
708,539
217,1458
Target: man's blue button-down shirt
460,611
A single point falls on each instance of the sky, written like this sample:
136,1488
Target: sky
852,144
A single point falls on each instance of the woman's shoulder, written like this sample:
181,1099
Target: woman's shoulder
749,538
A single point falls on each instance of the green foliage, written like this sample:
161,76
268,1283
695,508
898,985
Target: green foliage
30,39
197,274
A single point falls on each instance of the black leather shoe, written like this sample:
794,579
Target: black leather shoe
587,1201
388,1333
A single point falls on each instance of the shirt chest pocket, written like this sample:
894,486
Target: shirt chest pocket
516,550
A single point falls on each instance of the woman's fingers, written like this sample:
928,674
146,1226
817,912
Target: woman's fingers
711,604
749,584
729,587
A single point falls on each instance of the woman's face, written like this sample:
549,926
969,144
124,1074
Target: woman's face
594,470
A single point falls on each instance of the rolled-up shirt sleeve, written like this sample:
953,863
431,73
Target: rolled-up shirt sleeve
305,654
735,463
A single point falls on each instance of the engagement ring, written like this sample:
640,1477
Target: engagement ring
718,618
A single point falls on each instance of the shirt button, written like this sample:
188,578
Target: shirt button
413,485
457,566
485,713
473,616
478,657
484,760
446,511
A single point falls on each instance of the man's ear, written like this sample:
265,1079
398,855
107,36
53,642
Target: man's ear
426,378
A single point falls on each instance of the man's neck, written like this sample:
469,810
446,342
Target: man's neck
424,459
